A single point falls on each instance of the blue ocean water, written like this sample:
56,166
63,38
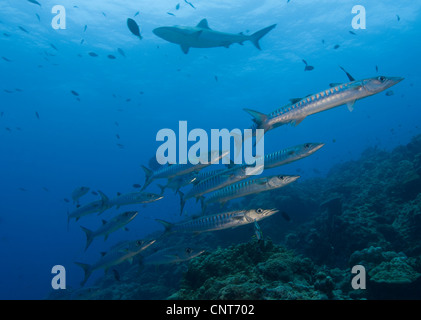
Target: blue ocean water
52,143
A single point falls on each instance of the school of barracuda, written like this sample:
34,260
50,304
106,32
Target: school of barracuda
220,185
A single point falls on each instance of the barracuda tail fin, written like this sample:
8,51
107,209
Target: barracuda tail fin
255,37
148,180
167,225
87,269
89,236
258,117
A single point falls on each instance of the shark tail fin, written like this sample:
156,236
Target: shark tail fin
89,236
255,37
87,269
148,173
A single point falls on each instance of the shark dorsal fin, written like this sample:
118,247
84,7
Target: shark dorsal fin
203,24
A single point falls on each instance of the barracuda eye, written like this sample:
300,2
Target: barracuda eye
139,243
381,79
189,250
281,177
307,145
259,211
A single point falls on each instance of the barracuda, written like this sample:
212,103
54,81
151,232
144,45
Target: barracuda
175,170
218,181
249,187
336,96
219,221
134,198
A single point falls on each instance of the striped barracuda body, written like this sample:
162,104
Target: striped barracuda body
248,187
219,221
337,95
174,170
134,198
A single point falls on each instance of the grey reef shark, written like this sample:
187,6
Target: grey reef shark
201,36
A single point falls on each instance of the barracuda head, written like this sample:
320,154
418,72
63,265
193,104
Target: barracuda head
279,181
309,148
379,84
148,197
259,214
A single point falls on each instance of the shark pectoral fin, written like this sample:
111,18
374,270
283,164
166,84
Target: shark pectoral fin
350,105
185,48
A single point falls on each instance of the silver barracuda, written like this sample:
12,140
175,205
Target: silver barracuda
219,221
179,182
337,95
116,257
248,187
174,170
133,198
215,182
89,208
172,256
291,154
107,228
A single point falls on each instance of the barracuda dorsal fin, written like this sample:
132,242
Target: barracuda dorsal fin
295,100
203,24
332,85
351,78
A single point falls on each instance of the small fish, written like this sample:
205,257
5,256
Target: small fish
120,145
110,56
258,232
35,2
285,216
81,42
389,93
6,59
75,93
45,189
38,17
134,28
6,34
352,32
53,46
116,275
37,115
103,13
177,7
128,100
190,4
141,92
86,27
7,91
93,54
18,90
8,129
120,51
23,29
171,14
377,69
307,67
116,123
216,78
137,186
336,46
117,136
399,18
66,200
136,14
22,189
